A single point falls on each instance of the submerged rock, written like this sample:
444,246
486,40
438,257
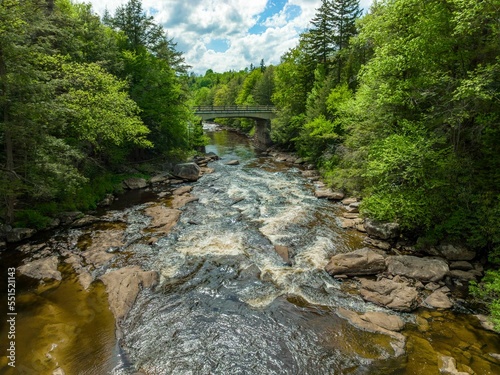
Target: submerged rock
358,262
42,269
187,171
448,366
123,286
363,322
163,218
423,269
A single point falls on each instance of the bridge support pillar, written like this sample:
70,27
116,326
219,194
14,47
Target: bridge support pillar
262,136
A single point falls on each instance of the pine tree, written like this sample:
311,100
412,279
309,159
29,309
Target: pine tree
321,38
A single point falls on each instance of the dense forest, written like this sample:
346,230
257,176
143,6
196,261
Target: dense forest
81,98
400,107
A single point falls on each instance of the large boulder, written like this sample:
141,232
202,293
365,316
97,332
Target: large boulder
393,294
439,300
135,183
187,171
19,234
355,263
326,193
423,269
123,286
452,252
382,230
42,269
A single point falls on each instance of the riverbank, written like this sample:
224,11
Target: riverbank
230,271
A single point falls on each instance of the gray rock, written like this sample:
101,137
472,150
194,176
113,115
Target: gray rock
4,229
328,194
84,221
452,252
19,234
461,265
348,201
423,269
108,199
135,183
377,243
439,300
463,275
41,269
392,294
68,217
384,231
233,162
358,262
187,171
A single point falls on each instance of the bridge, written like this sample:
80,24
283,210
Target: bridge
262,114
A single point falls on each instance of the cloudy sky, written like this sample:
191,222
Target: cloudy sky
229,34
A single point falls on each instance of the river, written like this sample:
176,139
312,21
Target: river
227,302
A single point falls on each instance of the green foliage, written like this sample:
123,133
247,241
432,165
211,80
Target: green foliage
488,290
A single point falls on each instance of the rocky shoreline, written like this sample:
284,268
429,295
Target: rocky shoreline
387,272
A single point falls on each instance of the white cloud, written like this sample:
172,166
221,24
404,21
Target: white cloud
193,24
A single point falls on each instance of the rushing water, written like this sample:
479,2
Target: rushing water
227,302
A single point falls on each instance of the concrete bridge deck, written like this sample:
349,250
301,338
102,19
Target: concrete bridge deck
264,112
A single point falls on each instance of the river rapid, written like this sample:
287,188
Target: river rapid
227,302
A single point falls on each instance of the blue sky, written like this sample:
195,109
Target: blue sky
229,34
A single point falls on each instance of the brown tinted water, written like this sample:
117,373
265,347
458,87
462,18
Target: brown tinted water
227,303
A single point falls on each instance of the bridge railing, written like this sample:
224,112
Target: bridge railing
234,108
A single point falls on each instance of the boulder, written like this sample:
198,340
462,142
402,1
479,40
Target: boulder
283,252
423,269
439,300
382,230
68,217
135,183
392,294
159,178
452,252
42,269
19,234
123,286
187,171
355,263
4,229
233,162
212,156
377,243
464,275
461,265
108,199
348,201
328,194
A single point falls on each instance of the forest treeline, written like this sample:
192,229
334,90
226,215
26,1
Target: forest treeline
81,97
401,107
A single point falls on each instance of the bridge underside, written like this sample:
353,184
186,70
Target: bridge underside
262,136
